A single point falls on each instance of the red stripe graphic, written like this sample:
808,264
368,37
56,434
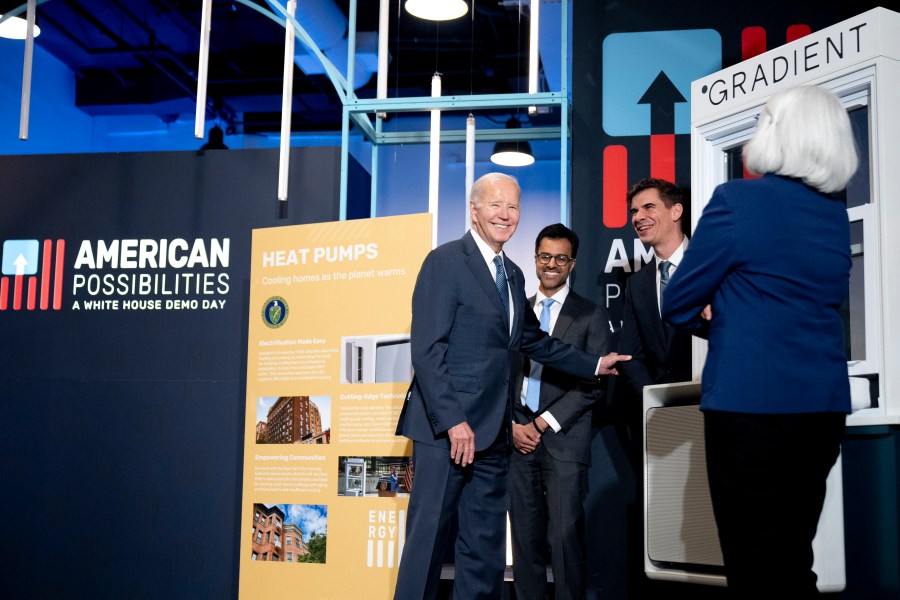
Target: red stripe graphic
662,156
753,42
795,32
45,274
17,292
753,39
615,186
58,276
4,293
32,292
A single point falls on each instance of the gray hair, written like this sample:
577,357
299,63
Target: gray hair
484,182
804,132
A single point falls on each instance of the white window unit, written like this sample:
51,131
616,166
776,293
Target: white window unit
856,59
376,359
859,60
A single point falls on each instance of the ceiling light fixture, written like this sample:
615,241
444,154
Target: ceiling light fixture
15,28
512,153
437,10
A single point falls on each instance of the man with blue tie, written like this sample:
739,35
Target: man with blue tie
470,319
551,433
661,353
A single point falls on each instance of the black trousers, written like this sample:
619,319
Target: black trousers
546,507
767,483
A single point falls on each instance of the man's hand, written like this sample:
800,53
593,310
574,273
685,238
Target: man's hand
462,444
608,363
525,438
706,313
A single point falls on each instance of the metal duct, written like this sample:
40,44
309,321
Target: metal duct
327,25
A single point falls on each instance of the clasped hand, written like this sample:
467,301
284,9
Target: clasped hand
526,437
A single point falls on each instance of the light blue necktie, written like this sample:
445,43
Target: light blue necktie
500,280
533,393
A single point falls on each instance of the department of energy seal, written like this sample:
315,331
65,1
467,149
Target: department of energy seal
275,312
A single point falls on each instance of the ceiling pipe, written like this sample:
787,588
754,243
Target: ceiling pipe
327,25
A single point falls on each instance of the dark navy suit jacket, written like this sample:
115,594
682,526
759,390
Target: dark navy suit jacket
569,399
463,354
659,353
772,256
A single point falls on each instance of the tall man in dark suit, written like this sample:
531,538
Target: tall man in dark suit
551,432
661,353
470,319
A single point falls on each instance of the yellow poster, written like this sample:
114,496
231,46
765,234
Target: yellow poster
326,481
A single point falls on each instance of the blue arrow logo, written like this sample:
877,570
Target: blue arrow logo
20,257
647,77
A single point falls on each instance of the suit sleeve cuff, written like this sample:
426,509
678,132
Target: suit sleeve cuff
553,423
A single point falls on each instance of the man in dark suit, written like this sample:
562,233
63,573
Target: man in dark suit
661,354
551,432
470,319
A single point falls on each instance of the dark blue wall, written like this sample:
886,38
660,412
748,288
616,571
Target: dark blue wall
121,432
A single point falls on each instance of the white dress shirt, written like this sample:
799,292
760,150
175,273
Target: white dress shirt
537,368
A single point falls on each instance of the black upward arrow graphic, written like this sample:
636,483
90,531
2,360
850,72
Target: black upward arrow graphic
662,95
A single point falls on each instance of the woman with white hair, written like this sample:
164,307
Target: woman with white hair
768,267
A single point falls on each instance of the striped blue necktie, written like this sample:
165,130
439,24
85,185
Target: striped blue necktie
500,280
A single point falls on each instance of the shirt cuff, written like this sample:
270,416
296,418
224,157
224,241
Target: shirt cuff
554,425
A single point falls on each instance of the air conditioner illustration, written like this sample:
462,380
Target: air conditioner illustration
376,359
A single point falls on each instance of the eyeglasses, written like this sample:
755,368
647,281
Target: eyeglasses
561,259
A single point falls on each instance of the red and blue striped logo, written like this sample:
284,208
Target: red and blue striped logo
32,275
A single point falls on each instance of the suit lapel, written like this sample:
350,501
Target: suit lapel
513,274
481,272
647,294
526,362
570,308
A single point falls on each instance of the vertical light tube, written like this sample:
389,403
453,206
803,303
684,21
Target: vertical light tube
434,164
380,93
533,56
203,70
287,95
470,167
564,117
25,109
382,76
351,50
